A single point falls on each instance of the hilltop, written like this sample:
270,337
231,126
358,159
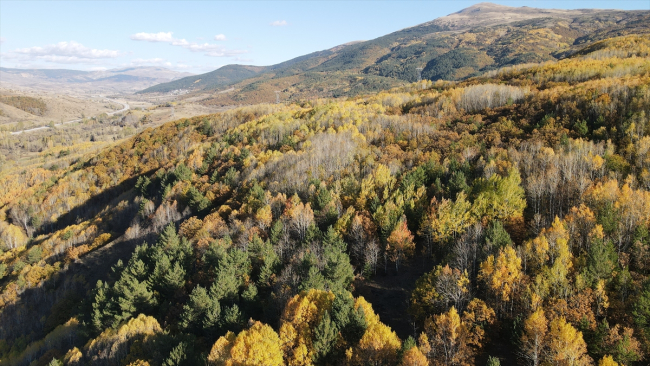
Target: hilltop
468,43
489,14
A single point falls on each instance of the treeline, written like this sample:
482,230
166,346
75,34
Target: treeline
254,230
28,104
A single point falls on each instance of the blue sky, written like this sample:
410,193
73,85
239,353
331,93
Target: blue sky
202,36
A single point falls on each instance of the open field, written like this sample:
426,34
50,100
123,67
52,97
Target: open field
60,108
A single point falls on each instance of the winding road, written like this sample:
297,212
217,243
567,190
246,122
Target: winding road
124,104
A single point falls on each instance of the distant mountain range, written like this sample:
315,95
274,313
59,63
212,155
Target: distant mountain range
114,80
480,38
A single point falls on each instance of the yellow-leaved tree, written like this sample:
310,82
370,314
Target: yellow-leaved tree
114,345
264,216
607,361
301,316
449,339
257,346
414,357
445,333
447,219
566,345
501,198
503,277
378,346
533,337
400,243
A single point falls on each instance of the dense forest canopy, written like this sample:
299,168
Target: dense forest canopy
514,206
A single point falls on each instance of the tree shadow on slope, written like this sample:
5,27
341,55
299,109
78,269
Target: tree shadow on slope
94,205
39,310
389,293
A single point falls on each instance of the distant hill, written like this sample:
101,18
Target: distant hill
114,80
223,76
467,43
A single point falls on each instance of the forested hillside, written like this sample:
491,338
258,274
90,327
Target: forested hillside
514,207
478,39
27,104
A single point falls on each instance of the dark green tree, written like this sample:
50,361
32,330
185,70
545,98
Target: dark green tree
142,185
458,183
232,318
356,327
312,279
101,308
182,172
496,237
178,355
264,259
325,336
601,261
608,218
641,310
342,306
201,313
174,279
276,232
196,200
321,198
168,239
133,295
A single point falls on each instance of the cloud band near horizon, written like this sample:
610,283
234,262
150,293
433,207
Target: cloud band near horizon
208,49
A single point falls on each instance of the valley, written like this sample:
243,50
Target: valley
495,212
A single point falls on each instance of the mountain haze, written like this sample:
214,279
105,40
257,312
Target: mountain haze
127,79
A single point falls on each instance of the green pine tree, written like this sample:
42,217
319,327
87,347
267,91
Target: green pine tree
356,326
325,336
601,261
168,239
493,361
201,313
496,237
641,309
174,279
178,355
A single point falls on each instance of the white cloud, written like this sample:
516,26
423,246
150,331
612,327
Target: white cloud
68,49
66,59
62,53
153,37
2,39
220,37
279,23
161,62
207,49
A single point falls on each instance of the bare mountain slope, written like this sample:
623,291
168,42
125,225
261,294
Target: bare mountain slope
488,14
480,38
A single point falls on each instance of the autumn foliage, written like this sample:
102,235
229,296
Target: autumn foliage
520,198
